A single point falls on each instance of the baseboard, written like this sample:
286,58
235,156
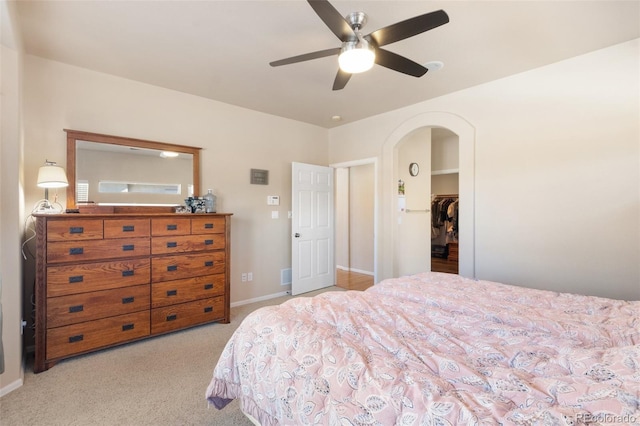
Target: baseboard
261,298
359,271
5,390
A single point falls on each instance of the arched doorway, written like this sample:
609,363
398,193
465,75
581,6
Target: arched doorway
388,187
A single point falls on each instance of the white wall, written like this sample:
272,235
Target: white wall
342,218
413,245
234,140
11,210
557,171
445,150
361,209
444,184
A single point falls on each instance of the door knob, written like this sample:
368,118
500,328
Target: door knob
296,235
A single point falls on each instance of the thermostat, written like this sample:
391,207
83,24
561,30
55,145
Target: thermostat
273,200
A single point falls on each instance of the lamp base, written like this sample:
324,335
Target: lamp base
45,207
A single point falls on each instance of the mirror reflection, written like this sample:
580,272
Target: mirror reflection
109,174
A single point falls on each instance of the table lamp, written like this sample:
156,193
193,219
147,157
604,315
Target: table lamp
50,176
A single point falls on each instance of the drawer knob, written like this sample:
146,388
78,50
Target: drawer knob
172,227
208,242
208,225
126,327
208,309
208,263
128,247
126,300
76,308
76,279
172,317
76,230
128,228
172,268
76,250
208,286
172,244
76,338
128,273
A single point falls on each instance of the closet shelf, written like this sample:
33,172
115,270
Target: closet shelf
444,171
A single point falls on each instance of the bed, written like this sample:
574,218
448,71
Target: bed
435,349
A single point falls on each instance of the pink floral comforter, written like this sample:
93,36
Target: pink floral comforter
435,349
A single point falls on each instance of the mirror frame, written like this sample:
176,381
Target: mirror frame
73,136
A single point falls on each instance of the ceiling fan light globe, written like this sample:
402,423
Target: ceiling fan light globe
354,60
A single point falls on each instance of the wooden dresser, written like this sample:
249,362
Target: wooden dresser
103,280
449,264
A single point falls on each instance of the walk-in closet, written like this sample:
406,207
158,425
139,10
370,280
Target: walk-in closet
444,202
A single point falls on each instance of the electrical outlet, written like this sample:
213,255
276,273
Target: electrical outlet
250,276
244,277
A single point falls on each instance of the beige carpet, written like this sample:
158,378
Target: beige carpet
158,381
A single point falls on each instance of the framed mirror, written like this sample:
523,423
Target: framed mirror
118,174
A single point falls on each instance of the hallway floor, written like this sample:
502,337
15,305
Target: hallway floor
353,280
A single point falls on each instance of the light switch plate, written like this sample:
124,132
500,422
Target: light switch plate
275,214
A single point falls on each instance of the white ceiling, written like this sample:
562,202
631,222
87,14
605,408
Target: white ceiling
221,49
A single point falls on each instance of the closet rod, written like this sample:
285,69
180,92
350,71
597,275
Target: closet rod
445,196
417,211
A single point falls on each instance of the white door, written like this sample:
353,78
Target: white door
312,258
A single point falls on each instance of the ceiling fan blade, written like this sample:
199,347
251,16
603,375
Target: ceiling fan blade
306,57
399,63
408,28
341,80
333,19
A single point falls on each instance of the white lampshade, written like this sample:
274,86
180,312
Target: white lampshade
356,57
52,176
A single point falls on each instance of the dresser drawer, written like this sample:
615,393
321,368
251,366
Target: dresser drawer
208,225
77,338
66,310
126,228
86,277
74,251
453,251
75,229
186,314
186,290
169,268
171,226
187,243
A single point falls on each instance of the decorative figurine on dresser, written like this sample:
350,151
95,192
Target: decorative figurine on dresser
120,274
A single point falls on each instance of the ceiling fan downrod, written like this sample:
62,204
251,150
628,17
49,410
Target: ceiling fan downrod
356,20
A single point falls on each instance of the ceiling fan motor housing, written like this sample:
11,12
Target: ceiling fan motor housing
356,20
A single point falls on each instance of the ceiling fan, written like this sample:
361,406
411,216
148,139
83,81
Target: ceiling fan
358,53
